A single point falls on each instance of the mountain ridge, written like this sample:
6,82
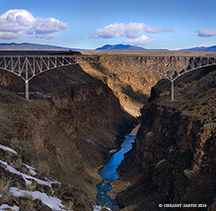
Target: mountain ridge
106,47
120,47
211,48
136,48
32,46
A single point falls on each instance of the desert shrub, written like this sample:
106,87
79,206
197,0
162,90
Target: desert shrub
195,103
165,93
71,206
17,163
186,107
181,85
32,186
206,102
26,151
200,107
4,191
26,204
191,108
27,197
44,168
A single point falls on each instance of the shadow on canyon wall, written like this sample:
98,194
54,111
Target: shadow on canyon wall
173,159
72,121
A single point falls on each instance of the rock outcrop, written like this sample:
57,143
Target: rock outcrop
131,84
23,187
173,161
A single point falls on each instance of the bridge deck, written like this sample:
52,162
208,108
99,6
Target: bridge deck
39,53
28,64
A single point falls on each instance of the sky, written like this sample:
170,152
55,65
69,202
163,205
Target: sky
85,24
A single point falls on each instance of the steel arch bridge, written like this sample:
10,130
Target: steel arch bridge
171,67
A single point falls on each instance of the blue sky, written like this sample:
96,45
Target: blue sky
152,24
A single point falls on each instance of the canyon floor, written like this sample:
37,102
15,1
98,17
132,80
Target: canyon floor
77,114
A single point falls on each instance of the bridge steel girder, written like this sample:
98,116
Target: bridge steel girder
170,67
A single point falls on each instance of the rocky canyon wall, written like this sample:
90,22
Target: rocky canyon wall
173,160
131,84
75,116
67,128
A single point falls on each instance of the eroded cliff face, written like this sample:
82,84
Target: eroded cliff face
173,160
67,128
131,84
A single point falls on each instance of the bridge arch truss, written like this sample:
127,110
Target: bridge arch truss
170,67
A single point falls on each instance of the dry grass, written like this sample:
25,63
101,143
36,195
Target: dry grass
27,205
4,190
32,186
26,152
70,206
44,168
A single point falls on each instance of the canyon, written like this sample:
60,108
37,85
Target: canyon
77,114
74,117
173,159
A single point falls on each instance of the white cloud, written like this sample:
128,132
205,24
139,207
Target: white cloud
117,30
143,40
43,36
152,29
207,32
49,26
8,35
14,23
131,30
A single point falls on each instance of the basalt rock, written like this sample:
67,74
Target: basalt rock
175,149
131,84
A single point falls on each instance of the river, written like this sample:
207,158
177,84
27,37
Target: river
109,172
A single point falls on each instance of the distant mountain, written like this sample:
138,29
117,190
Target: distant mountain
30,46
212,48
120,47
136,48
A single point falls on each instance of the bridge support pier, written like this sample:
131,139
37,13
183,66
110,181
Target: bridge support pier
172,91
27,90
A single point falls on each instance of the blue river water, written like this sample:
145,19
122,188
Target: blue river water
109,172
